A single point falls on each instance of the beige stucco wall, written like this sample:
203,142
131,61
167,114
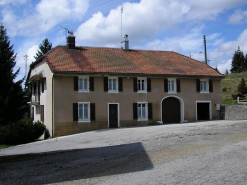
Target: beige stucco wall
65,96
46,97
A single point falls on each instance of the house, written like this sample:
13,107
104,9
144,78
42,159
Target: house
76,89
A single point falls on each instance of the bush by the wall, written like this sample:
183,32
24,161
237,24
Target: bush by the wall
21,132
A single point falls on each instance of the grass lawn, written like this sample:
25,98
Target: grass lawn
5,146
229,86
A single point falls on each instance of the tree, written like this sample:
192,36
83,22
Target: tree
12,101
43,48
227,72
216,69
238,61
242,88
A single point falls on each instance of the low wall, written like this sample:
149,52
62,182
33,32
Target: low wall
233,112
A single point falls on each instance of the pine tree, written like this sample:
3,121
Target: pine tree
227,72
238,61
12,101
216,69
242,88
43,48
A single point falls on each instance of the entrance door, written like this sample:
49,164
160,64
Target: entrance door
113,115
203,111
171,110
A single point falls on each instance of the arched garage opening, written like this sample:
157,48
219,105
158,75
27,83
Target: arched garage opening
172,109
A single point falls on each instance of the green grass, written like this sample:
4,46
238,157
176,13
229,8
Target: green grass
5,146
229,86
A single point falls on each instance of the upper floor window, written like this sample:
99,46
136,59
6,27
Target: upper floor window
172,86
204,85
83,84
142,84
112,84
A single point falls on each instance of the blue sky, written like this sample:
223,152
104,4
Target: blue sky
171,25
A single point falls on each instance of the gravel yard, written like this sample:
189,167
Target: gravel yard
212,152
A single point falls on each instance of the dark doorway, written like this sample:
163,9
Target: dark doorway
113,115
203,111
171,110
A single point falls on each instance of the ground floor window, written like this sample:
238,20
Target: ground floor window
83,111
142,109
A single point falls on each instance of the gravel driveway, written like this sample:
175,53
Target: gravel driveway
212,152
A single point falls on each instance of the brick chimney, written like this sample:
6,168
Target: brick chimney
71,40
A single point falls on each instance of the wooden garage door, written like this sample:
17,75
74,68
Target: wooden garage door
171,110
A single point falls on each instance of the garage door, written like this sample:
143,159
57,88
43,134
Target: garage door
203,110
171,110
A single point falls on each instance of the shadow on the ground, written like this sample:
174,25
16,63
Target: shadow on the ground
75,164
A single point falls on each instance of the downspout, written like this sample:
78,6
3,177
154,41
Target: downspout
52,101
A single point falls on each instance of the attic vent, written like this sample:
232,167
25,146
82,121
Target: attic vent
126,43
71,40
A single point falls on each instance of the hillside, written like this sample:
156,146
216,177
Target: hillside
229,86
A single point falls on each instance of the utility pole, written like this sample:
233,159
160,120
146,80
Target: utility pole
205,49
26,59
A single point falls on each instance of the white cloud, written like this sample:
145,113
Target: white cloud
143,20
224,65
228,48
239,17
210,9
140,21
187,43
44,17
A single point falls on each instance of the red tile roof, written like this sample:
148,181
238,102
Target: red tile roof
118,61
36,77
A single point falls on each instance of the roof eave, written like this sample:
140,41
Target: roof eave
135,74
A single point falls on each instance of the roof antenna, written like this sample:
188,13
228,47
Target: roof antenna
121,26
66,30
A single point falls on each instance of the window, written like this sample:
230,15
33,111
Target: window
112,84
142,85
142,110
172,86
83,84
83,112
204,86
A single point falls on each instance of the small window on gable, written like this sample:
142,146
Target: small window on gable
83,84
142,85
172,86
204,86
112,84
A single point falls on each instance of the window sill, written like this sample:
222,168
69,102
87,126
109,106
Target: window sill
83,91
172,92
84,121
142,119
141,91
204,92
113,91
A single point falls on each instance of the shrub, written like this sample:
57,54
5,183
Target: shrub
155,123
21,132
